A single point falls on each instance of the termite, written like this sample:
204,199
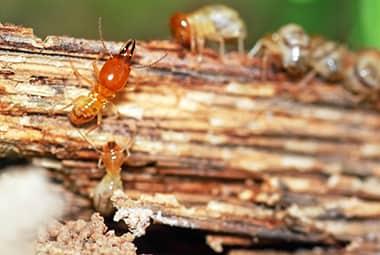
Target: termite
213,22
111,157
326,60
111,78
362,74
290,43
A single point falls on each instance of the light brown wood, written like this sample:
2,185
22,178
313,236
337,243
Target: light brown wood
303,164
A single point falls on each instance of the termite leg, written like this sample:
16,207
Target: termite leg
307,79
99,118
130,88
53,111
200,42
264,67
89,130
66,106
115,110
360,99
295,90
100,163
9,107
98,123
79,76
240,41
96,69
133,129
130,142
256,49
221,47
193,45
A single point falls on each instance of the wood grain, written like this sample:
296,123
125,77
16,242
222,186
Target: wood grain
279,162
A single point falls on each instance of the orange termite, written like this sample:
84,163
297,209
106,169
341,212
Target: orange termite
111,157
212,22
111,78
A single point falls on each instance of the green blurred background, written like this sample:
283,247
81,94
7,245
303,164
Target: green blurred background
354,22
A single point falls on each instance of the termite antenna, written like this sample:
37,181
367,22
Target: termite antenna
131,140
151,64
129,145
89,141
101,36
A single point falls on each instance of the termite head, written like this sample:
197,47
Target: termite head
180,28
295,48
113,157
364,75
127,50
327,58
112,146
115,72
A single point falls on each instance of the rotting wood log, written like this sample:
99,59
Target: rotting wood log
359,246
279,163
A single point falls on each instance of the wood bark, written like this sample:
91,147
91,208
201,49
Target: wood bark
246,160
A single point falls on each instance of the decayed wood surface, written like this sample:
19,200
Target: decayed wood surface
246,160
